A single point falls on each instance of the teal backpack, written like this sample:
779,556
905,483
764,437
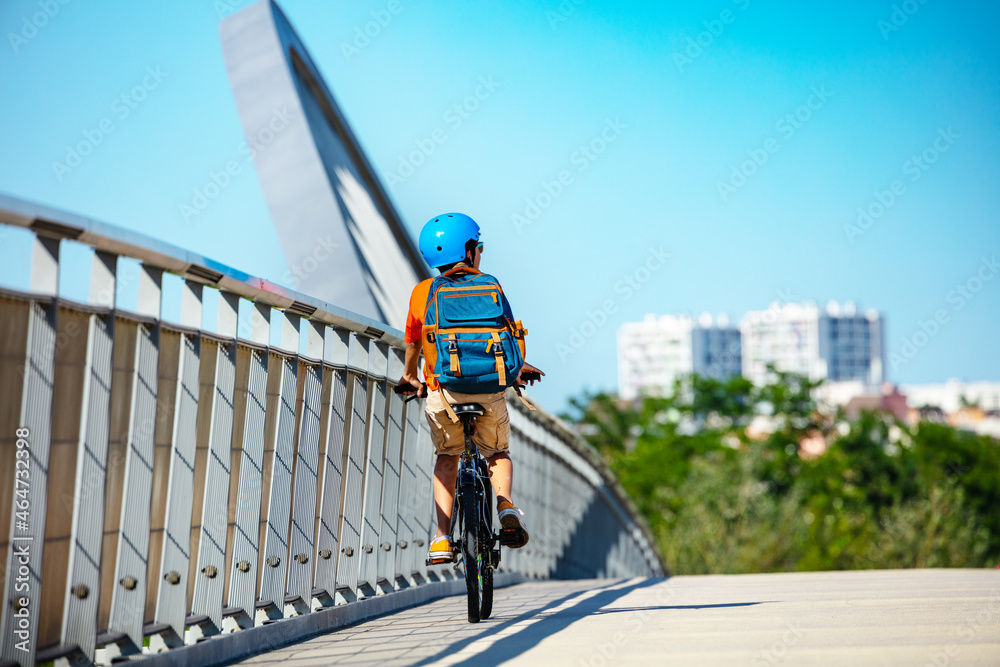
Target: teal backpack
470,338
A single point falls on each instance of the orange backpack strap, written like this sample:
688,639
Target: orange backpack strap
519,332
447,407
456,367
427,338
517,388
461,269
498,356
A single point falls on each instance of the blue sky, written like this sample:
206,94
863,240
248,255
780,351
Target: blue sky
623,158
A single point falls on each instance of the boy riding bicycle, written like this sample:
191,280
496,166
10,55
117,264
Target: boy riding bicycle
450,243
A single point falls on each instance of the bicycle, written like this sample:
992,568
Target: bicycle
473,539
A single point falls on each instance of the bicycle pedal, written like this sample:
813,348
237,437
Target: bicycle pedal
512,537
438,561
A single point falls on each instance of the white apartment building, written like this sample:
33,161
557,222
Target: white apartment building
653,353
949,396
835,343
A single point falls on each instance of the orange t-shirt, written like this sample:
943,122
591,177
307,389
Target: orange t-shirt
415,318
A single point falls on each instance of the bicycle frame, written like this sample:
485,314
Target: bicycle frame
473,477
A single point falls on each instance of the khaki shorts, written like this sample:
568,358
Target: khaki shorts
492,433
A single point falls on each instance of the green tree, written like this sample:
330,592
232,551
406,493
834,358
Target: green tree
881,495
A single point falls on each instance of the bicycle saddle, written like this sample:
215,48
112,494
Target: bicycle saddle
469,409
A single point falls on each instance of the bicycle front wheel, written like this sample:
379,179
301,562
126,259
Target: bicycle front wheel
473,558
486,608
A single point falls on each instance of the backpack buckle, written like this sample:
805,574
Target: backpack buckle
431,337
453,346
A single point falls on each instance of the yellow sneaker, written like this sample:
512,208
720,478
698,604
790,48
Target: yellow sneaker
513,533
440,551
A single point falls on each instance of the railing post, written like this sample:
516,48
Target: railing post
387,542
350,527
150,296
375,462
406,527
302,535
45,266
335,355
245,561
84,565
229,308
284,371
30,489
191,304
424,523
129,491
211,564
172,580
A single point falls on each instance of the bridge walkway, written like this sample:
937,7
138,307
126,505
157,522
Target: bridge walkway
913,617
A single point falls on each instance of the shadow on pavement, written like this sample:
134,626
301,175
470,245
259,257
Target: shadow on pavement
681,606
515,644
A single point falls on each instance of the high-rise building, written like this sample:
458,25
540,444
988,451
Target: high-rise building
652,354
835,343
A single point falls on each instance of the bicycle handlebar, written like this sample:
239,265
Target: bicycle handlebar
408,390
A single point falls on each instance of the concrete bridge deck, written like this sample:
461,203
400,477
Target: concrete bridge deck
913,617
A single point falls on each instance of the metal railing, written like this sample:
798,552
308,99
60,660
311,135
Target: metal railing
163,482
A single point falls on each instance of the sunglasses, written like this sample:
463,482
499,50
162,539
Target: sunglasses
479,247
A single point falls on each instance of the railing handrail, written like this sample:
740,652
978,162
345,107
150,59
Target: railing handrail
56,223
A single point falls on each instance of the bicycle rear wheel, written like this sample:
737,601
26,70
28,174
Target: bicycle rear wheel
486,547
473,558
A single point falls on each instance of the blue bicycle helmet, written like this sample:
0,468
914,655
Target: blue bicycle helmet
443,238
